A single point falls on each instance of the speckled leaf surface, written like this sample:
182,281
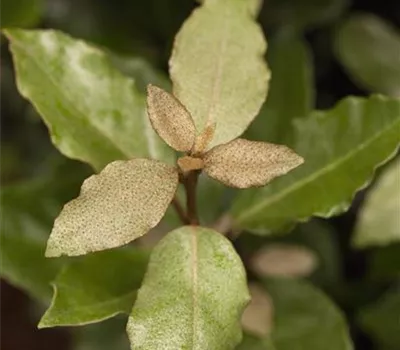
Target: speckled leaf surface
242,163
95,287
93,112
341,149
379,218
217,68
369,49
170,119
192,296
123,202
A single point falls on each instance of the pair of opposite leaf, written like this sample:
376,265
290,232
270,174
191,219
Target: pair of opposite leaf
128,198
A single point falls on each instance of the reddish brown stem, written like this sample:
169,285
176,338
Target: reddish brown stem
190,183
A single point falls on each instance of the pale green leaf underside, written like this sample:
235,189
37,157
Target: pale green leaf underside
218,70
94,113
304,318
369,49
192,296
123,202
95,287
379,220
341,149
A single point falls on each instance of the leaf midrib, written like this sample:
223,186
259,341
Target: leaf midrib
319,173
66,96
194,245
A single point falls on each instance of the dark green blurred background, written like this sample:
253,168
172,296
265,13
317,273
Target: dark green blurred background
146,29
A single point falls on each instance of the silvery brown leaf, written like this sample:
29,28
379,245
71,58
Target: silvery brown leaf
242,163
170,119
120,204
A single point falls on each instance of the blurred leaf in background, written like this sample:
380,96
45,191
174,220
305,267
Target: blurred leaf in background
21,13
369,49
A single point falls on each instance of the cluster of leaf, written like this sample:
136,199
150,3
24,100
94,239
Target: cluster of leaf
194,289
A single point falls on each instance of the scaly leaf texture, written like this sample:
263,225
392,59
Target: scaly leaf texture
120,204
192,296
342,148
94,113
170,119
95,287
369,49
379,220
242,163
217,68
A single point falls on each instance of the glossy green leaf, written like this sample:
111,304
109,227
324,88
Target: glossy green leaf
369,49
95,287
23,264
381,320
218,70
94,113
304,318
27,214
291,92
303,14
20,13
192,296
379,220
341,147
251,342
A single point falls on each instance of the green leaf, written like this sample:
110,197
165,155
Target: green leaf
95,287
378,222
385,263
291,92
341,148
305,318
28,211
120,204
20,13
369,49
94,113
24,265
217,68
251,342
192,296
254,6
303,14
381,319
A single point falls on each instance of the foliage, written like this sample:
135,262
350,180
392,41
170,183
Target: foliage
239,138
